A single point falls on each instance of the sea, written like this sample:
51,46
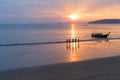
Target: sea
31,45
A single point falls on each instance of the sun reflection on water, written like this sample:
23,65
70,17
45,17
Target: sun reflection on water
73,47
73,31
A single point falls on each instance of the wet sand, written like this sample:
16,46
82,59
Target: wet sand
97,69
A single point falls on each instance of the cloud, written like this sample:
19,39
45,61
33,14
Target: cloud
57,8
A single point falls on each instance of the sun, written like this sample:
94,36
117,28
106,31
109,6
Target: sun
74,17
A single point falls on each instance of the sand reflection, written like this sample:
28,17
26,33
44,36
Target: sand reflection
73,51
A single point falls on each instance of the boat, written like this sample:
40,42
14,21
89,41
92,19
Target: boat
100,35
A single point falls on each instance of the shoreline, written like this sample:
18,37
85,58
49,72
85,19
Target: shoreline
57,42
96,69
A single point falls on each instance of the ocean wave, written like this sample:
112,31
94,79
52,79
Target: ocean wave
56,42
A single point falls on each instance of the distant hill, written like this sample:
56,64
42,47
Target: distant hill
105,21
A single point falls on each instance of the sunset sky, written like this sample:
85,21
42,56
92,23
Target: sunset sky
42,11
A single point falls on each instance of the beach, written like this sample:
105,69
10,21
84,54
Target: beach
60,40
40,52
96,69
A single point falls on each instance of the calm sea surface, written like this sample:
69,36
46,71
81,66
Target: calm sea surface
19,56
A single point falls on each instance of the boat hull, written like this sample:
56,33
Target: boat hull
100,36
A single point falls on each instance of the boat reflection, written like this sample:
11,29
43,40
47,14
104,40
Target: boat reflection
103,41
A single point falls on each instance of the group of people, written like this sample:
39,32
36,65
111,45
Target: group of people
72,40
